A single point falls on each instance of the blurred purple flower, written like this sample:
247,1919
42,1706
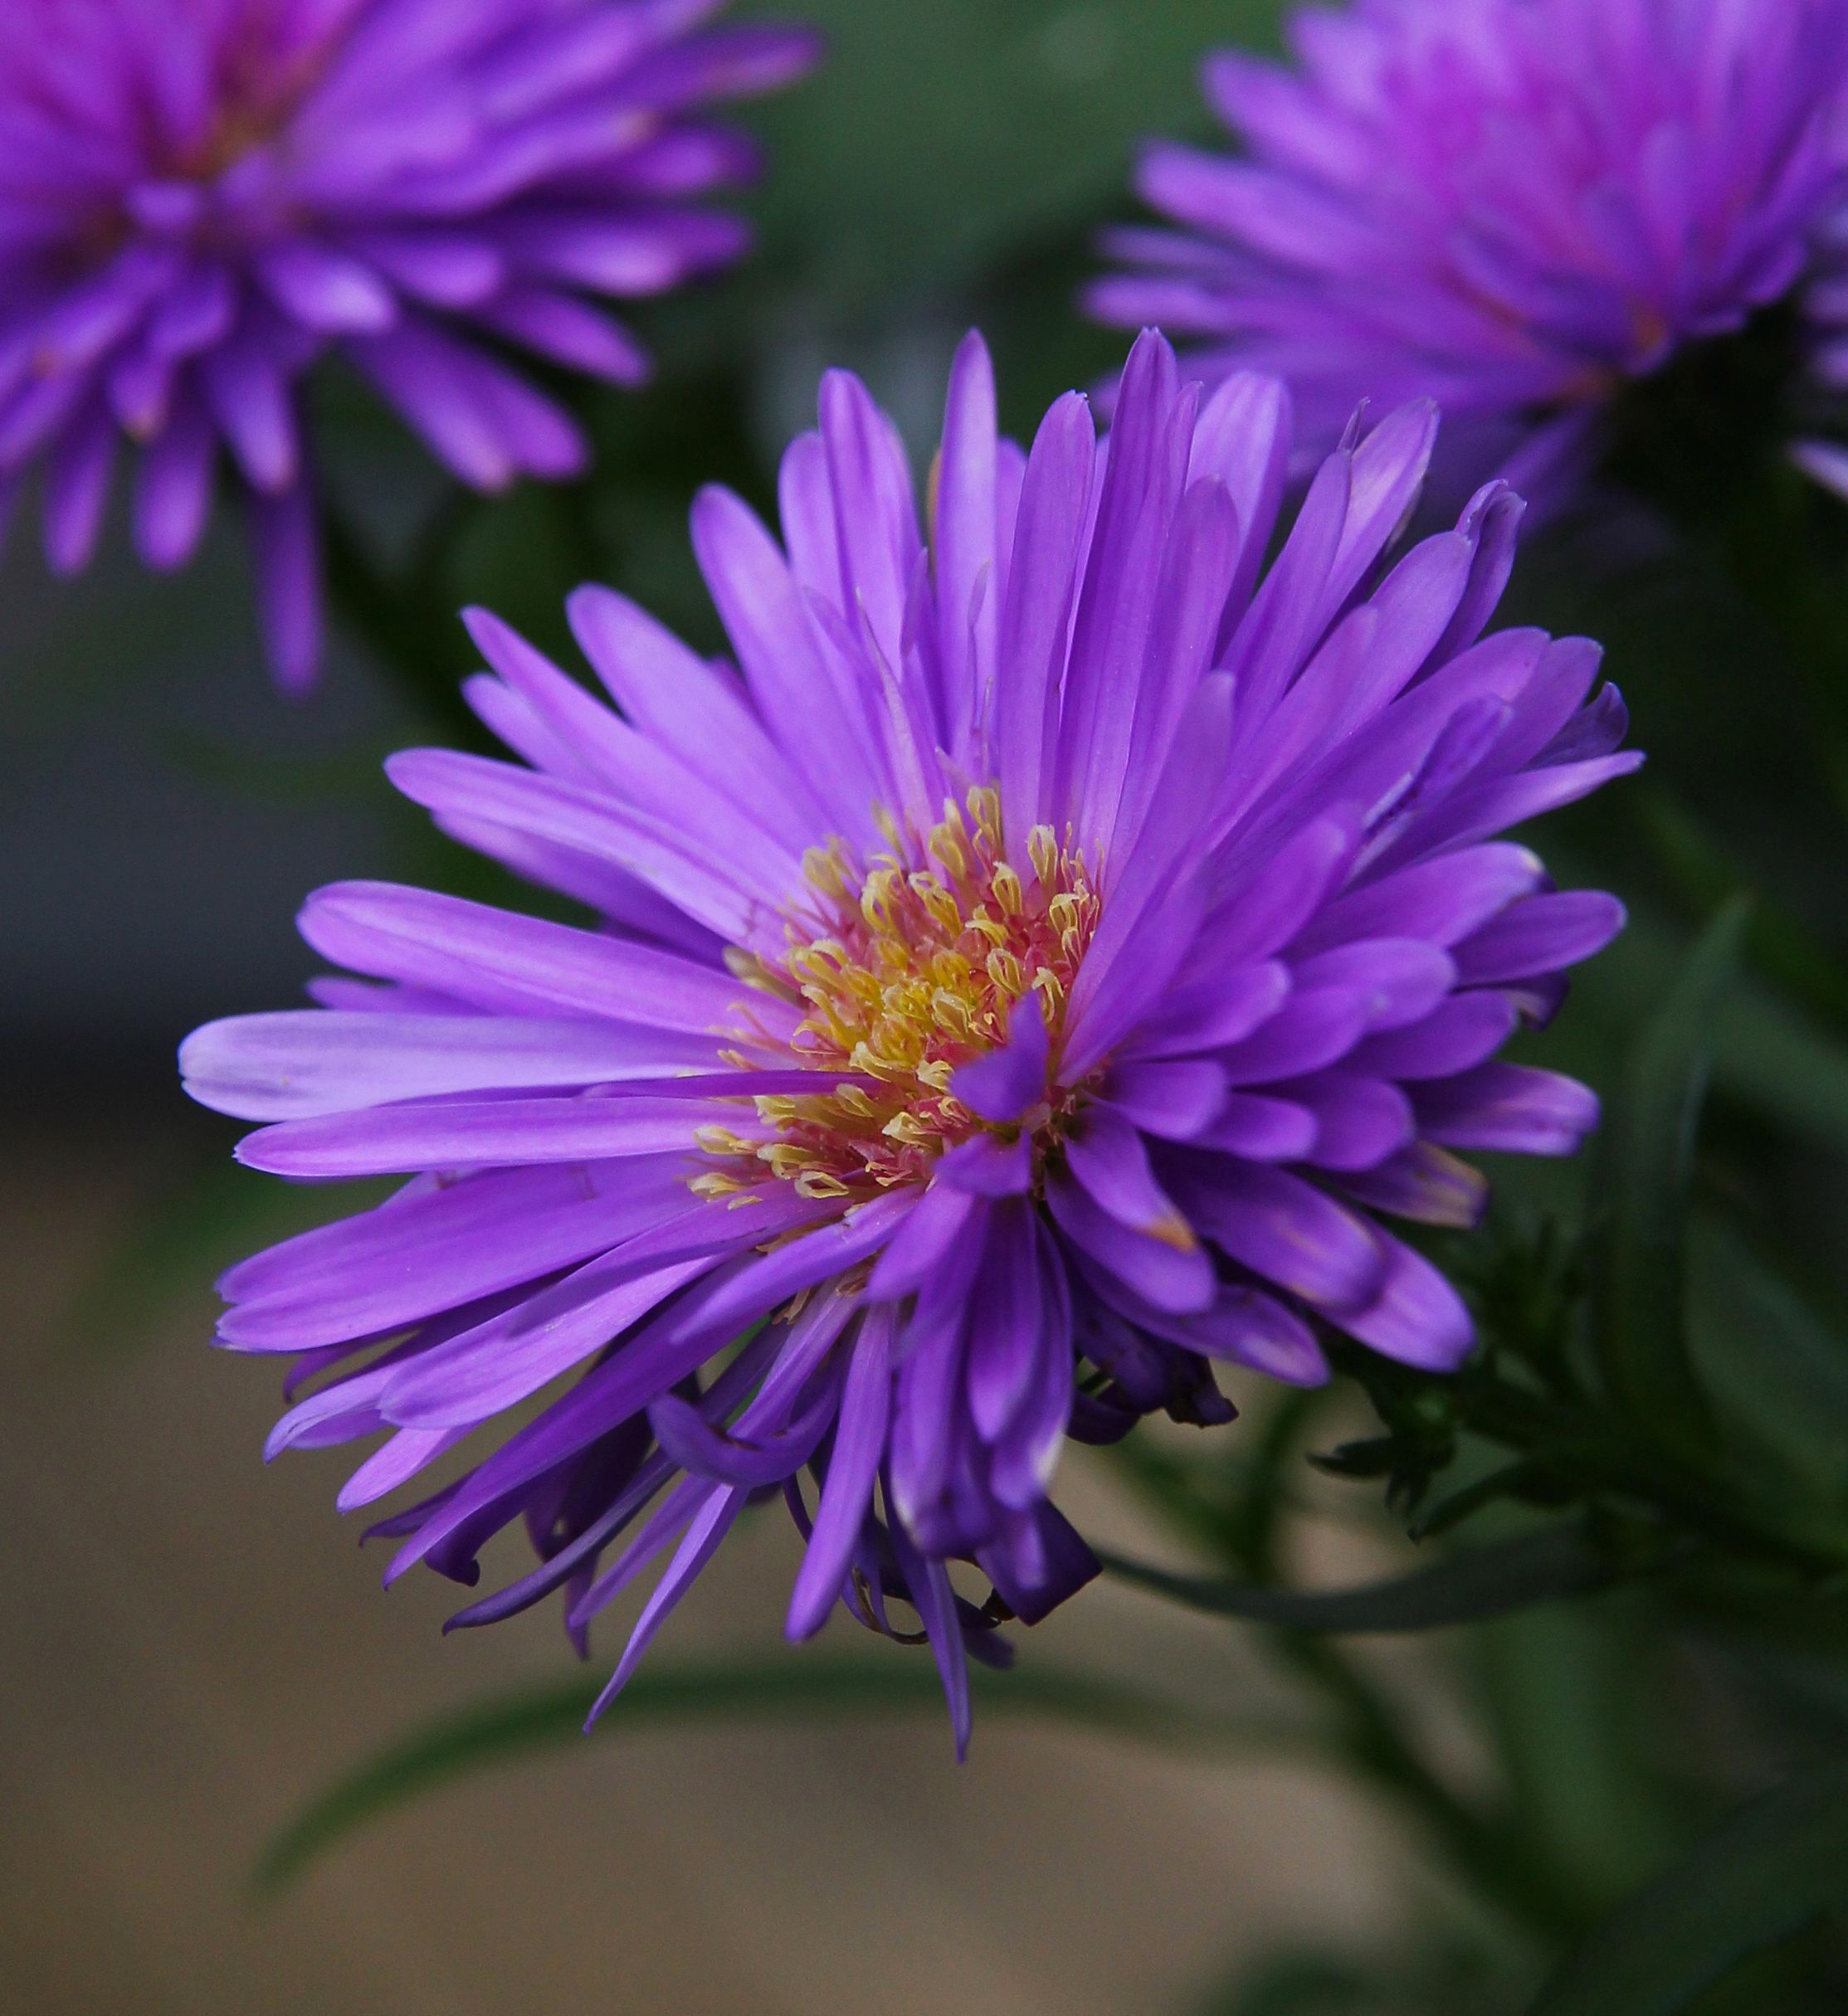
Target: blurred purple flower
1025,979
1512,206
200,198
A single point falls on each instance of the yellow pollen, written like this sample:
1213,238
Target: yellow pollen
905,969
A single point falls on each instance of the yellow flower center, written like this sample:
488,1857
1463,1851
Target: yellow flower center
906,973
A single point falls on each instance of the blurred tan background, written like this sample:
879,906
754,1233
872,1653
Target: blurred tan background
195,1645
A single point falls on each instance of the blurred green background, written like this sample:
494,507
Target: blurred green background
194,1647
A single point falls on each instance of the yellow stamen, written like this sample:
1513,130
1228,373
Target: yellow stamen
905,969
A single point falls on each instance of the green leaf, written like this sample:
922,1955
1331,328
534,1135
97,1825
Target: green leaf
1779,1373
1464,1588
1770,1868
1648,1177
1781,946
790,1689
1771,1057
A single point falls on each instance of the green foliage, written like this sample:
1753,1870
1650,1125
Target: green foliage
1770,1869
1642,1330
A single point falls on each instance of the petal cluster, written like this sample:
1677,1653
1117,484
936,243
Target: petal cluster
199,198
1034,967
1510,205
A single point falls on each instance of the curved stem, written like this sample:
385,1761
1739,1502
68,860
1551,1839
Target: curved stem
1461,1588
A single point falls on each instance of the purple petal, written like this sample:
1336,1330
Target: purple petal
384,1140
1007,1337
428,1250
1468,1028
1005,1084
964,536
1170,1277
935,1602
1264,1129
1417,1316
1175,1101
703,1535
173,489
1210,1013
818,1256
1403,980
302,1062
1358,1121
1255,1330
1509,1106
499,960
1540,935
1309,1032
1424,1183
1111,1164
943,1215
1442,901
1036,612
288,581
326,291
1288,1232
988,1167
852,1466
76,490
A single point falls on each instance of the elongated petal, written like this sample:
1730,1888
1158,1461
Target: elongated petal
297,1064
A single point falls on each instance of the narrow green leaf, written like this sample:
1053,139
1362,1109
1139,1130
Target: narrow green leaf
780,1690
1777,1371
1464,1588
1764,1873
1782,1065
1781,946
1648,1174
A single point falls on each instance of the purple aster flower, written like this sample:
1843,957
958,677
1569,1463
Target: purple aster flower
200,198
1512,206
1034,970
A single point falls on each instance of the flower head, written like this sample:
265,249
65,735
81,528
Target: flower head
1033,973
200,198
1512,206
